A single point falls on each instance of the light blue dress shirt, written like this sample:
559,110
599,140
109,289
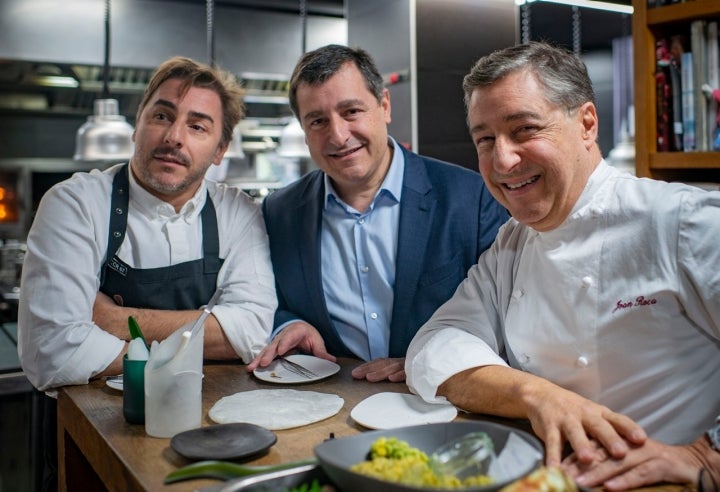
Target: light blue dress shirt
358,263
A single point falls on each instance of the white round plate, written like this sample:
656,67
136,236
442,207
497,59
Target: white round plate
393,410
276,373
115,382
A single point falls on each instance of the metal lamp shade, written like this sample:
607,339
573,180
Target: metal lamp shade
235,150
104,136
292,141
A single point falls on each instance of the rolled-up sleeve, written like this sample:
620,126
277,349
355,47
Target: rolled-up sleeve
463,333
248,303
58,343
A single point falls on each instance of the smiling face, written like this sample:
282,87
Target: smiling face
177,137
346,131
534,156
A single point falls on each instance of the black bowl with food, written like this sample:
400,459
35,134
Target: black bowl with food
338,456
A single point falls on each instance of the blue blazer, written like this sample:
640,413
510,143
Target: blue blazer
447,218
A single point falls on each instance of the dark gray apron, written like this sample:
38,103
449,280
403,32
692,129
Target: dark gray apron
187,285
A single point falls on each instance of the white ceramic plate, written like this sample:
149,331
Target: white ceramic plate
393,410
276,373
115,382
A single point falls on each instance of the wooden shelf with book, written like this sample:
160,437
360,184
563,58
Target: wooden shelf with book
653,24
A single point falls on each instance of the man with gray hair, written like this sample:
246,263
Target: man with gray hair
596,313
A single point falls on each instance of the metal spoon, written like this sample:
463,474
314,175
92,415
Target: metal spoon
206,312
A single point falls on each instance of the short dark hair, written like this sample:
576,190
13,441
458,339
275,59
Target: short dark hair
561,73
315,67
195,74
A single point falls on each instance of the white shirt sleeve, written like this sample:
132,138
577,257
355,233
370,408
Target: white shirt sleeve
698,255
58,343
248,303
463,333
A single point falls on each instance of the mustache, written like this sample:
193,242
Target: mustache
172,153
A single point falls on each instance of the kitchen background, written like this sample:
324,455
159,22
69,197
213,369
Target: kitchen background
52,54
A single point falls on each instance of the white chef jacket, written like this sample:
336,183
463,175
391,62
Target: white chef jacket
58,343
620,303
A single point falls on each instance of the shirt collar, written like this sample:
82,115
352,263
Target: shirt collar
154,207
599,175
391,185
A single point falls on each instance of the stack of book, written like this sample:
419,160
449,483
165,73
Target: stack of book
687,80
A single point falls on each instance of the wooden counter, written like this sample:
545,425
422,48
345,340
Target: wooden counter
98,450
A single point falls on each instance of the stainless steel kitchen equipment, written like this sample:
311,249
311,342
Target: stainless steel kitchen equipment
106,134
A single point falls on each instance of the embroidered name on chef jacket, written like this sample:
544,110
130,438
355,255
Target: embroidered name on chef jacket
639,301
118,267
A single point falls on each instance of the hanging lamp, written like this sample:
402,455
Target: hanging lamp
292,137
106,135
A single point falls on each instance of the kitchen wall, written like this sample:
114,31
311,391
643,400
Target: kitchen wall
143,34
437,42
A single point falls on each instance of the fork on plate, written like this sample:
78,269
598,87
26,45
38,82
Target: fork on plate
296,368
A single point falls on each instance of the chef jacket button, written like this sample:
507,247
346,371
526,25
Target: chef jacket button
374,315
119,211
517,294
365,269
524,358
361,221
117,234
587,281
582,361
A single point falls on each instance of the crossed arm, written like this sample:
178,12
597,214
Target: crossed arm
156,325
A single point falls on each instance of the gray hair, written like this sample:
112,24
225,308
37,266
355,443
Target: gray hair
562,74
315,67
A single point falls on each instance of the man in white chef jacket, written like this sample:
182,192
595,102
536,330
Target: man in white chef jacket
596,313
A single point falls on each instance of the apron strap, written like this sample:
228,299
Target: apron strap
211,240
119,202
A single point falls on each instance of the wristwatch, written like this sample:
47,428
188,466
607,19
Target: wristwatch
713,434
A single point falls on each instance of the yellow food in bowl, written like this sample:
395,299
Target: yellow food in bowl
394,460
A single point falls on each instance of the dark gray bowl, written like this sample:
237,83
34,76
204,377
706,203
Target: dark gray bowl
336,456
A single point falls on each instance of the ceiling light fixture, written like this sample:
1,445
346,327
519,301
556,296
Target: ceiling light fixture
106,135
292,139
591,4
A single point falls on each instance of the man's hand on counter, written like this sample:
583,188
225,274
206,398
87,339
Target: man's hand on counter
295,336
650,463
376,370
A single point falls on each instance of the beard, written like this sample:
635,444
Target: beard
166,183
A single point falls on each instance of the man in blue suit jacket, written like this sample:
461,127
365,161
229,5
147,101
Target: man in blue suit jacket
365,249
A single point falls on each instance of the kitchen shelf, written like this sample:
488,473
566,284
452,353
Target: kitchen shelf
679,12
680,160
649,25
